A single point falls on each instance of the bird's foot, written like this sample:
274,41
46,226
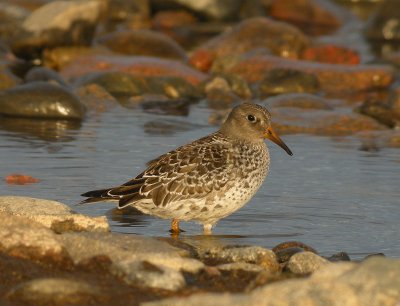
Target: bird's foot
207,229
175,230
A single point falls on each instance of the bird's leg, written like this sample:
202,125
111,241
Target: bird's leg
207,229
175,227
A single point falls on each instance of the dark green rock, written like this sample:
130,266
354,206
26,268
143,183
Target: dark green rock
41,100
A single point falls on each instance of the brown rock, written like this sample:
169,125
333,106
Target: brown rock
255,33
143,42
304,13
331,54
332,78
135,65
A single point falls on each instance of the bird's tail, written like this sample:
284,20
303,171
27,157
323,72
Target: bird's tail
100,195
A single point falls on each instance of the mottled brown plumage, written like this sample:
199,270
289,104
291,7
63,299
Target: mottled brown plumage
205,180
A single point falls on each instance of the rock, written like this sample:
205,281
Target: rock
279,81
304,263
373,282
143,42
175,24
96,98
301,100
135,65
20,179
331,54
133,14
384,24
145,274
219,94
44,74
7,79
304,13
285,250
254,255
54,215
331,77
118,84
385,112
60,57
209,9
57,23
24,238
53,291
240,266
41,100
254,33
11,16
341,256
144,262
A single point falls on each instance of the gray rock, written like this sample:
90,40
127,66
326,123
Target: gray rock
54,215
240,266
41,100
139,260
53,291
23,238
145,274
373,282
58,23
305,263
44,74
252,254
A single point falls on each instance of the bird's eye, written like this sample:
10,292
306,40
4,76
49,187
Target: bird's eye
251,118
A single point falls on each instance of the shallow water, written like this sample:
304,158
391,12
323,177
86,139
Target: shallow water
329,195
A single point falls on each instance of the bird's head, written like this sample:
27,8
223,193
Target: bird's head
251,122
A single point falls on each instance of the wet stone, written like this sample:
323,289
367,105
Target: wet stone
305,14
57,23
341,256
280,81
383,111
257,33
54,215
305,263
384,24
41,100
240,266
118,84
143,42
331,54
44,74
300,100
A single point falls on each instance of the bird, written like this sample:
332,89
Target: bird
205,180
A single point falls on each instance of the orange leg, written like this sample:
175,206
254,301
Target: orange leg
175,226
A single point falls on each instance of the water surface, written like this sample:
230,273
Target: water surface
329,195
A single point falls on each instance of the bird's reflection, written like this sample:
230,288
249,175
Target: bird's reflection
48,130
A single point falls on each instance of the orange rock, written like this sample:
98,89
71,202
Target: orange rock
331,54
135,65
202,60
331,77
20,179
303,12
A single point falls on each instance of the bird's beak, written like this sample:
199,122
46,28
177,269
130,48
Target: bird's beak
271,135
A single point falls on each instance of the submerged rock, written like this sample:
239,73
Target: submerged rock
44,74
384,24
41,100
